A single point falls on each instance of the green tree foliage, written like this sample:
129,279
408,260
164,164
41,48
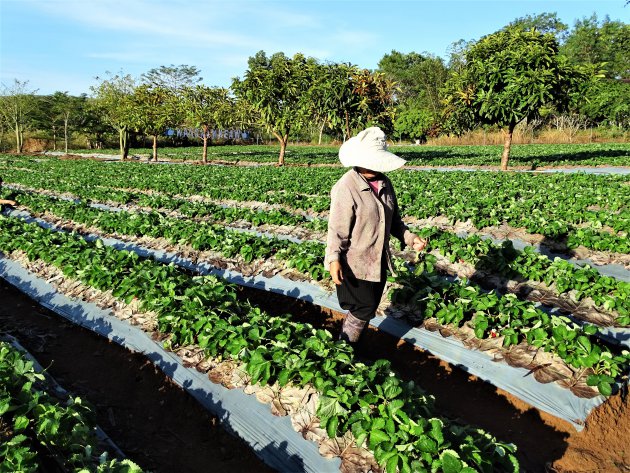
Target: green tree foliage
66,111
331,97
277,89
173,78
543,22
419,79
510,76
608,102
375,101
604,43
114,101
207,108
17,104
154,111
345,99
93,125
414,123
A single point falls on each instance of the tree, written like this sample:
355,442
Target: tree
207,108
543,22
608,103
510,76
66,110
414,123
605,45
172,78
154,111
419,78
114,100
375,101
16,105
331,97
92,125
277,91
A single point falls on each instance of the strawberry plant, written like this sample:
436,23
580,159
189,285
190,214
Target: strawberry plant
33,421
278,349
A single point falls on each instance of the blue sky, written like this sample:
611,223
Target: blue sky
65,44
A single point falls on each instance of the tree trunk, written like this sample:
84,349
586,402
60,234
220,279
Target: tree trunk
18,145
65,134
123,136
347,125
54,130
506,147
283,146
205,144
155,137
321,132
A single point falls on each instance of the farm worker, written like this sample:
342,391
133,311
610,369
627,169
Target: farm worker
363,215
5,202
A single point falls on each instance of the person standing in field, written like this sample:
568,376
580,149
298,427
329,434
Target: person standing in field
363,214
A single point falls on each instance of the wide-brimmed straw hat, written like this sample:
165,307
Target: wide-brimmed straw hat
369,150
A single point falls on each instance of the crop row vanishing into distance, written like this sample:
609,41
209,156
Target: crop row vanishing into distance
452,303
393,418
306,257
531,155
569,210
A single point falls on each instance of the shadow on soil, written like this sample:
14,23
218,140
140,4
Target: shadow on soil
460,396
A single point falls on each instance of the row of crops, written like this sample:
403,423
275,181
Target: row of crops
395,419
452,303
217,213
576,284
37,427
521,155
570,210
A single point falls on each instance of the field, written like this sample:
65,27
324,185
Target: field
522,156
527,272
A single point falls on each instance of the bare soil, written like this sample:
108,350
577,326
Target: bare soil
545,443
155,422
163,429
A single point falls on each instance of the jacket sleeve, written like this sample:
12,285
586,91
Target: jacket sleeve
340,223
399,229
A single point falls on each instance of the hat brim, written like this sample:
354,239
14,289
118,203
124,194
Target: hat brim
352,154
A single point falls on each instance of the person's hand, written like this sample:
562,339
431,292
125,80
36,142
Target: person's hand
419,244
336,273
11,202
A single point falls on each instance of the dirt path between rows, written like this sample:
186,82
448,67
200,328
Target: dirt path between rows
545,443
155,422
164,429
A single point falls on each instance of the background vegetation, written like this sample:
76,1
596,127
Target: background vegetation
534,81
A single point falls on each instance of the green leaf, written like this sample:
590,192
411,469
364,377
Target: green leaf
330,407
426,444
377,436
585,343
451,462
331,427
592,380
392,464
604,388
20,423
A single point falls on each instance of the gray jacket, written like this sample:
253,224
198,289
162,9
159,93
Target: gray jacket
360,224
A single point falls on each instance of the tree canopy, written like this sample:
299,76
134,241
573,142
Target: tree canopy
510,76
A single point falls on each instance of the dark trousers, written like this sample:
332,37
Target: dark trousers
361,298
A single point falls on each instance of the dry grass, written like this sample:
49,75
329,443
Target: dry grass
525,136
